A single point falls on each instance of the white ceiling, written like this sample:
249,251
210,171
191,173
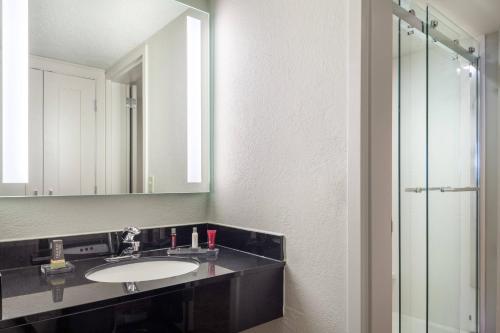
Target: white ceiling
477,17
95,32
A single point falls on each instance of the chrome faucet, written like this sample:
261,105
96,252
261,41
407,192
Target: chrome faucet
129,234
132,250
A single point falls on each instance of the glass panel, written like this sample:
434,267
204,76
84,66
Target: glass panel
452,156
435,88
409,159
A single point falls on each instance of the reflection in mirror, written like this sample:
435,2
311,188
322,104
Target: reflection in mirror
104,97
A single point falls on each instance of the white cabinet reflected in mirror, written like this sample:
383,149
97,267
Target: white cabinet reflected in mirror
115,101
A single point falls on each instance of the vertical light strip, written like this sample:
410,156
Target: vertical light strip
15,76
193,59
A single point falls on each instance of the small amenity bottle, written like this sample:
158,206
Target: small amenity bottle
194,238
211,239
173,239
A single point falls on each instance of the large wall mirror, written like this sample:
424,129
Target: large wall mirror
104,97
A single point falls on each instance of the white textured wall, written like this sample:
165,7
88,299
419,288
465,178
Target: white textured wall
280,143
25,218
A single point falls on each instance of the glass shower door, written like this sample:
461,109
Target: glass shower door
452,200
409,158
435,211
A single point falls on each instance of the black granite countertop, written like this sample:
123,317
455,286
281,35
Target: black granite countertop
27,293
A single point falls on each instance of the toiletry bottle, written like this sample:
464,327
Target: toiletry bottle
211,239
194,238
173,239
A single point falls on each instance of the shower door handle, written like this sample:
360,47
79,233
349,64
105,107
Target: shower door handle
459,189
442,189
415,189
421,189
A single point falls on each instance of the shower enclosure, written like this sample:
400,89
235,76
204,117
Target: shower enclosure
436,176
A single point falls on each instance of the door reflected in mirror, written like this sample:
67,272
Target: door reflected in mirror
117,98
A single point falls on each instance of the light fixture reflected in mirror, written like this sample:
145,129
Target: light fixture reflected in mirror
194,86
15,76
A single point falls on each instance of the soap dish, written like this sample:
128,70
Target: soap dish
52,271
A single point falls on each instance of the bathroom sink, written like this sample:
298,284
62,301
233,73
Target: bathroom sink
143,269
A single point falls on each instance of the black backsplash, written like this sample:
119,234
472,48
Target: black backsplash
260,243
35,252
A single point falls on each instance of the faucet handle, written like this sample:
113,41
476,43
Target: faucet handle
129,233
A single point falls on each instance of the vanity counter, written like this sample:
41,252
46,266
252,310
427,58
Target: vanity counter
29,297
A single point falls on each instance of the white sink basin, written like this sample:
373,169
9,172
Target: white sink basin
144,269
